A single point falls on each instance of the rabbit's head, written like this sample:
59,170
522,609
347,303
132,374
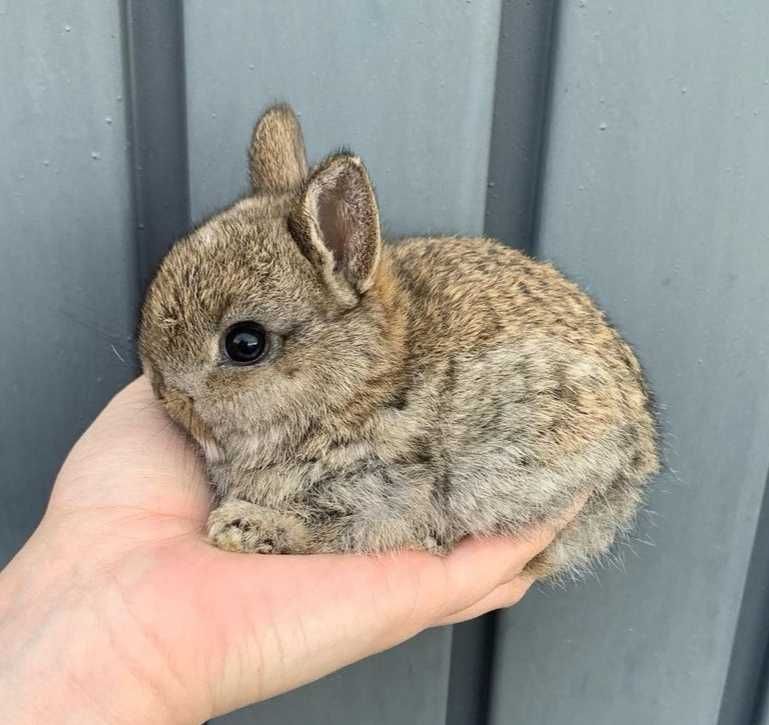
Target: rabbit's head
278,311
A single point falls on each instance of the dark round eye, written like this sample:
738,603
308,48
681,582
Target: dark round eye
245,343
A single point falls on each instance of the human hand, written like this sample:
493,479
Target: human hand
118,610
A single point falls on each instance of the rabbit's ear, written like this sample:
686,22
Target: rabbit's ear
337,222
277,160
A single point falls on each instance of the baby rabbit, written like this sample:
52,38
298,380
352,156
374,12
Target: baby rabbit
351,396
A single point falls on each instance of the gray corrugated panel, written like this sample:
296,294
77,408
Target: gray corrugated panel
654,196
408,86
67,283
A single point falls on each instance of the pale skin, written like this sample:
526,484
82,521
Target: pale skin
117,610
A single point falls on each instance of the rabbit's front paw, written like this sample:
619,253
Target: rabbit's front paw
237,525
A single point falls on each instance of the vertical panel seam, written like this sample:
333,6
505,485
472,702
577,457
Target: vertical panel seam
183,120
543,142
129,120
745,697
487,623
518,120
492,124
485,630
157,127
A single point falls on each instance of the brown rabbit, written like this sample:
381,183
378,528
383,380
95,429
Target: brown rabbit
350,396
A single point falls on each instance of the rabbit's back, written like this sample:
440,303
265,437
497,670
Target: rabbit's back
534,397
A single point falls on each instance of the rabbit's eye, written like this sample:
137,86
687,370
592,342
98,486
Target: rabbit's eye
246,343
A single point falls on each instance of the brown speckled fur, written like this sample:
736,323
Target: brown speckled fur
413,394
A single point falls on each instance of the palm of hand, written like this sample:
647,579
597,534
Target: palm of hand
201,631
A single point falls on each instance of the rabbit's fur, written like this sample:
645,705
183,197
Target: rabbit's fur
413,394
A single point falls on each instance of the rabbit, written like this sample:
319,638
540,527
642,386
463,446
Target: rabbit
354,396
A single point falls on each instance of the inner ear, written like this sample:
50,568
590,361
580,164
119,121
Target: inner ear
339,210
339,221
277,159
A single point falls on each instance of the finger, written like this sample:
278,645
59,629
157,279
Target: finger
505,595
479,565
536,539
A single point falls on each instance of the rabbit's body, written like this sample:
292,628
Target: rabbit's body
414,393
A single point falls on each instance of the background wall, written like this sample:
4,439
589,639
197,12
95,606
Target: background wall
626,142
